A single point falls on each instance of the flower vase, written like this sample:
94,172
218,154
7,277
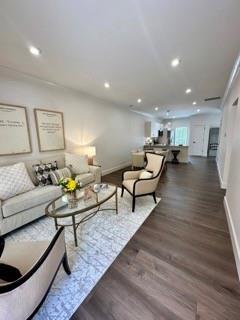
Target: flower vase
72,199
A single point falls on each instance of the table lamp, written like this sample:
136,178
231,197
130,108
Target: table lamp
90,151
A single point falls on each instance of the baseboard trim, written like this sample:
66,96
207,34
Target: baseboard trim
222,184
236,249
119,167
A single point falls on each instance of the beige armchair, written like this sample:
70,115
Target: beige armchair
38,262
140,187
163,153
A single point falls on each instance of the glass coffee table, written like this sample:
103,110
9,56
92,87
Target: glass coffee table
85,210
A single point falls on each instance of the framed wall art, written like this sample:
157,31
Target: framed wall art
50,130
14,130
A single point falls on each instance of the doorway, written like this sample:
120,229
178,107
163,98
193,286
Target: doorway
197,140
213,142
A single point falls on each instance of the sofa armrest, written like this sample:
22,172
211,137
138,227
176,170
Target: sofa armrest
130,175
97,172
146,186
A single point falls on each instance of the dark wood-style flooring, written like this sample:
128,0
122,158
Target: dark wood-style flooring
180,264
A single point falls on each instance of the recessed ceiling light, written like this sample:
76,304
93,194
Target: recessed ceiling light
156,108
188,90
51,83
34,51
194,103
175,62
198,110
107,85
139,100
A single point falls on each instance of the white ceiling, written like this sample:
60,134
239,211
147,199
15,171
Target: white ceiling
129,43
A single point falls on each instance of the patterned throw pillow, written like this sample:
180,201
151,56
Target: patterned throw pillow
57,175
77,163
43,171
14,180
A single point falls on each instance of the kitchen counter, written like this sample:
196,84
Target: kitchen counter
182,156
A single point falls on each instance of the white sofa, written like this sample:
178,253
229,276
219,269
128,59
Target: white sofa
26,207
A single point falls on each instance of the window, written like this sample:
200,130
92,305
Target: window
181,136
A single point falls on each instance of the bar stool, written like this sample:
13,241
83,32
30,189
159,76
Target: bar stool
175,154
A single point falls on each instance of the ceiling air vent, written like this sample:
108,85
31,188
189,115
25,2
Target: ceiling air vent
212,98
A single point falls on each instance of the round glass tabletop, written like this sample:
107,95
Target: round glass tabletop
58,208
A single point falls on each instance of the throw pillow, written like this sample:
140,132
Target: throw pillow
14,180
9,273
145,175
59,174
43,171
77,163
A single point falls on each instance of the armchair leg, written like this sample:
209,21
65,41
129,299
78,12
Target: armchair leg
133,204
65,264
122,191
154,197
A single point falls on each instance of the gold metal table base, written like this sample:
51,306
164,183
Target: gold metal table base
75,224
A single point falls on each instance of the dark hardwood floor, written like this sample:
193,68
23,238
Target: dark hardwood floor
180,263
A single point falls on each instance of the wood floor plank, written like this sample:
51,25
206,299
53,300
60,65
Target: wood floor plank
180,263
156,289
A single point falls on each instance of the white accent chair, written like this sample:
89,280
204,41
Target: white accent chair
164,153
141,187
38,262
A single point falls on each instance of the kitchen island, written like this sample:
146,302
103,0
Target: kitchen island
182,156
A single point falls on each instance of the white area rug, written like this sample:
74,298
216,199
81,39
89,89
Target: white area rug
100,240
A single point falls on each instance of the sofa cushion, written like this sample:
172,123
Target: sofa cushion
29,199
77,163
85,178
29,166
43,171
59,174
14,180
145,175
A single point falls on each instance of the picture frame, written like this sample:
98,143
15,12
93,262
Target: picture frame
14,130
50,130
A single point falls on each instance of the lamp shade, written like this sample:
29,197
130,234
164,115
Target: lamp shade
90,151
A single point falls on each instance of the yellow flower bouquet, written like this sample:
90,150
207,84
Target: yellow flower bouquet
70,187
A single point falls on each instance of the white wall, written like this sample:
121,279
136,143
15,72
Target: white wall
228,164
207,120
88,120
229,120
